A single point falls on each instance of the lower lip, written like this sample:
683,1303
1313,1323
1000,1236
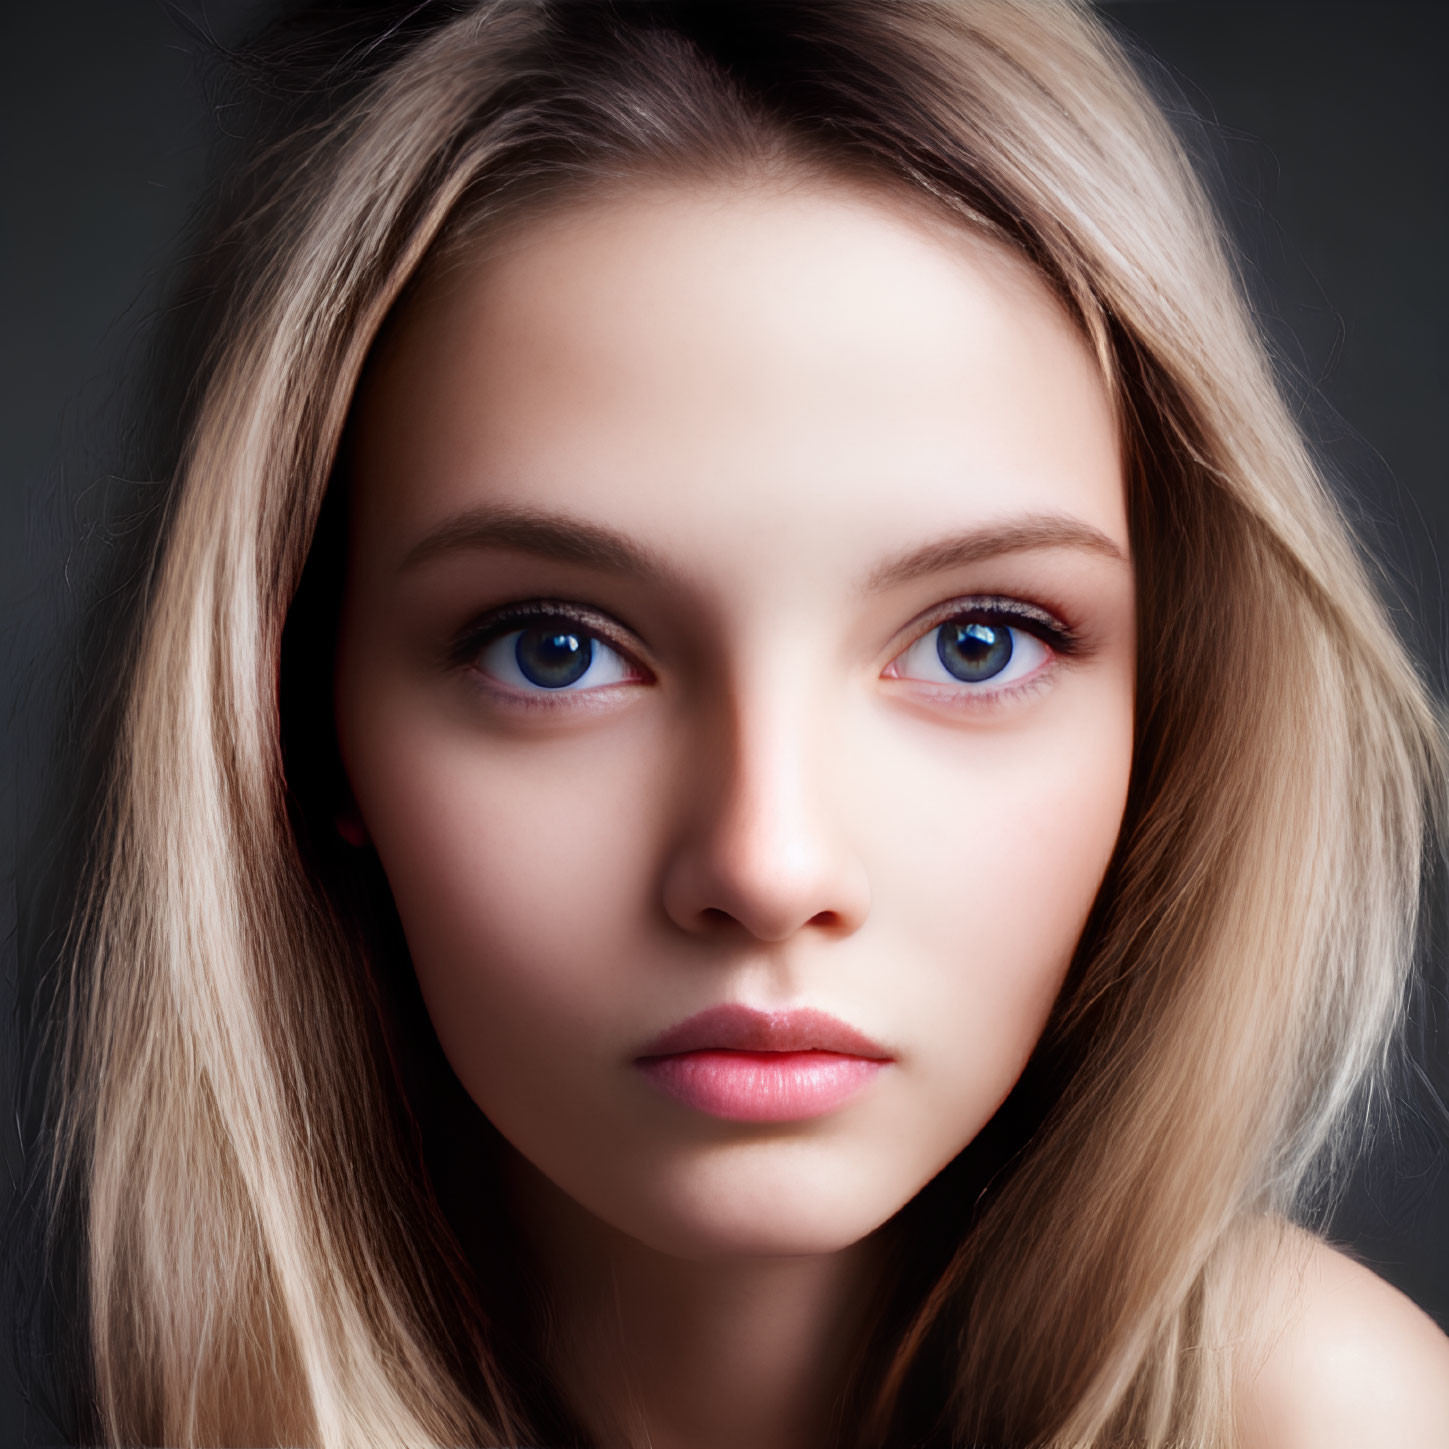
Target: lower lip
761,1086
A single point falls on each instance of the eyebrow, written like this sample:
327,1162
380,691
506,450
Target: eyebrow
1010,535
544,533
560,536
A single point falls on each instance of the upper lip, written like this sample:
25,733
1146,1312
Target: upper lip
733,1027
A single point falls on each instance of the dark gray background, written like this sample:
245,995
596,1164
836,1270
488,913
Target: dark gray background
1324,141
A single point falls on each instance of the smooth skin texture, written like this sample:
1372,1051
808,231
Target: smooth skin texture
1341,1360
760,443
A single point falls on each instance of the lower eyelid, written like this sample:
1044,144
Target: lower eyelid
986,686
531,689
468,650
949,697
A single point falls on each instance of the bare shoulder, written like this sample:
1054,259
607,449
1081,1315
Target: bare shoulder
1338,1357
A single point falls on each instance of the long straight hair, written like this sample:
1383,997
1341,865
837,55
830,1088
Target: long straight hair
265,1259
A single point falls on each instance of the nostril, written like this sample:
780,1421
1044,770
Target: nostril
769,889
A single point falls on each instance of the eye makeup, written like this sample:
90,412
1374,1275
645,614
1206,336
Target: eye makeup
462,651
1002,609
983,630
987,627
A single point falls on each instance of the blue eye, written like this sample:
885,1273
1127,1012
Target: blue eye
556,654
974,651
977,648
985,649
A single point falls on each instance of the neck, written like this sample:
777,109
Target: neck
673,1353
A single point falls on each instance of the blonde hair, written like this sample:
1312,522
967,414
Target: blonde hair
265,1260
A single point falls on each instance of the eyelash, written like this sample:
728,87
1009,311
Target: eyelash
1016,614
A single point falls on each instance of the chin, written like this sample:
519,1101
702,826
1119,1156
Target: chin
759,1200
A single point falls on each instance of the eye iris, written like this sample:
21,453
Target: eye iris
552,658
974,651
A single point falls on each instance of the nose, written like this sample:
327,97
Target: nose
760,845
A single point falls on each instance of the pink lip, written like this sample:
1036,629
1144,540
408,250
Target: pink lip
733,1027
743,1065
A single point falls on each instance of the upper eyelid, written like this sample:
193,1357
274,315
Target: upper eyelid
588,614
1003,605
493,624
1059,637
496,623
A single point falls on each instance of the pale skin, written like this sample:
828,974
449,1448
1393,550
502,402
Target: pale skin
1338,1358
761,442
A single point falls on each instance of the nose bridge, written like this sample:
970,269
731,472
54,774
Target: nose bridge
767,796
765,843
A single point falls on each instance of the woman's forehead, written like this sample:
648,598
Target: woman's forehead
696,362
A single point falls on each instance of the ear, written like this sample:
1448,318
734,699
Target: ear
350,827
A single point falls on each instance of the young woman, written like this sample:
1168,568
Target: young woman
759,799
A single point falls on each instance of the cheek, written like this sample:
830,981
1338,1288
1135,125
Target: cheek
518,874
992,873
527,875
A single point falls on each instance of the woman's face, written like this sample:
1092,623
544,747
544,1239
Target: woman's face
739,611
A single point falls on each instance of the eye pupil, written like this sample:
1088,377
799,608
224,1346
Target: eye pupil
974,651
552,658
